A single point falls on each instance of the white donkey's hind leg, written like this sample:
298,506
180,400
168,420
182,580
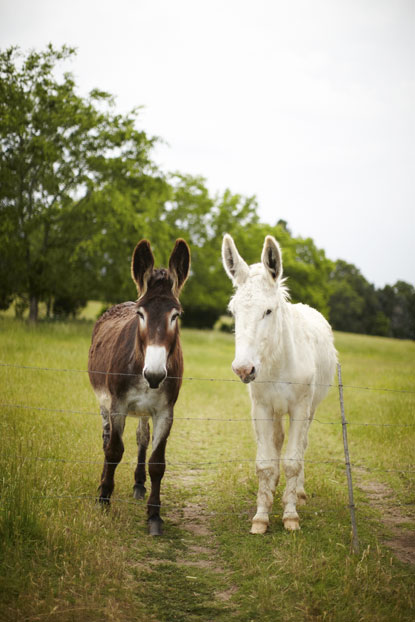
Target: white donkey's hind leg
300,490
269,444
301,493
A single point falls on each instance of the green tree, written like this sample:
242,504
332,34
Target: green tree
78,189
307,270
202,219
398,305
75,182
354,305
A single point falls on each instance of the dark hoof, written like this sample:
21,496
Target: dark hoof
155,526
139,492
104,502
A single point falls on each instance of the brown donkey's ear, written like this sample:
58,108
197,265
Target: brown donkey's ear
179,265
142,264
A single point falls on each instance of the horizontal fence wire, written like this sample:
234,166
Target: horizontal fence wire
119,414
117,499
191,378
178,418
204,464
192,463
217,463
201,512
143,505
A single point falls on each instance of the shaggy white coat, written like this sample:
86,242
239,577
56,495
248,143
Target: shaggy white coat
285,352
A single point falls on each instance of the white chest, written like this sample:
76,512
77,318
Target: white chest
141,400
270,396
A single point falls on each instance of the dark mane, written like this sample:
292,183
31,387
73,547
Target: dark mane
159,285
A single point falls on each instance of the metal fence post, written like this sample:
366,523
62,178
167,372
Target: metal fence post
355,540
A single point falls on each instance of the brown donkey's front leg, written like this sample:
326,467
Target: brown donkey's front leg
113,451
143,438
156,468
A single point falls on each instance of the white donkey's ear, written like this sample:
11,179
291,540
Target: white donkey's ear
272,258
236,268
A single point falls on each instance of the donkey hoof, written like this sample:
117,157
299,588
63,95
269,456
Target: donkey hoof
139,492
155,526
291,524
104,503
259,527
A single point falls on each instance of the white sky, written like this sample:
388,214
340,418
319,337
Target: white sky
308,104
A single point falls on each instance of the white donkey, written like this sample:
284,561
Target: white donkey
286,352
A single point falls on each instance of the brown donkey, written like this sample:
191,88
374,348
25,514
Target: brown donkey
136,366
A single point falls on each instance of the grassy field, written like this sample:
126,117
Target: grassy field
63,559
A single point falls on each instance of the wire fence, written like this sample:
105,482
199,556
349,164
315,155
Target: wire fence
178,418
201,379
217,463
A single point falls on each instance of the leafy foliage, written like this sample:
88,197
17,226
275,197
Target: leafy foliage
398,306
356,306
59,153
78,189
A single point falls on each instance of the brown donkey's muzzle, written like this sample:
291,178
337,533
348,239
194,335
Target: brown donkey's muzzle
154,379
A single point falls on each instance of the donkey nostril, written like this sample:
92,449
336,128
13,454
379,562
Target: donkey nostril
154,379
252,372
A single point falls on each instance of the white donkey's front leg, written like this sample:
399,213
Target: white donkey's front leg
294,467
270,437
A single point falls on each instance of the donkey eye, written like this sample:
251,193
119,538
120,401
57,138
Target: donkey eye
268,312
140,315
174,317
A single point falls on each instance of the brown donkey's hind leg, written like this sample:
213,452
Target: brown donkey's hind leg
156,467
113,451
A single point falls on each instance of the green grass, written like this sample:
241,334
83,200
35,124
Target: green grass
63,559
91,311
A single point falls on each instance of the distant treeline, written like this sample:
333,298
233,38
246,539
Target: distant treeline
79,188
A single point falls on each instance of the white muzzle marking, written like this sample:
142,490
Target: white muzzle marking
155,365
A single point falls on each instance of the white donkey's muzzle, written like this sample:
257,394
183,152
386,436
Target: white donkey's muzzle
246,371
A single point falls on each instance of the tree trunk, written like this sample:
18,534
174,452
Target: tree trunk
48,307
34,308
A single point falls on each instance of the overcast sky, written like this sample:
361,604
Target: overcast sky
307,104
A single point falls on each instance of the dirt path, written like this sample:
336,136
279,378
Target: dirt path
201,546
189,581
401,538
202,550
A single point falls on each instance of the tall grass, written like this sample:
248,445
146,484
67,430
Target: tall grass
63,559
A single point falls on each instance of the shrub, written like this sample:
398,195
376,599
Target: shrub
225,324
